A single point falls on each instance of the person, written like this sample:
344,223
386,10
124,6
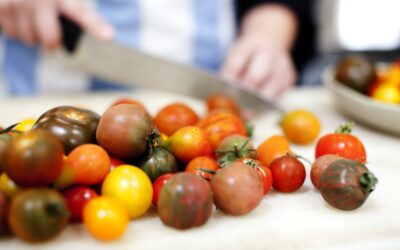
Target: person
258,56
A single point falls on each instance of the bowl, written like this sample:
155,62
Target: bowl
361,108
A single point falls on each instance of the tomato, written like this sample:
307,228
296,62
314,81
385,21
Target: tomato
25,125
173,117
300,126
272,148
220,125
4,204
237,189
222,102
8,186
185,201
114,162
71,125
124,131
158,162
105,218
38,215
4,142
188,143
196,165
127,100
34,158
157,186
346,184
386,92
76,199
263,172
319,165
131,186
234,147
341,143
89,164
288,174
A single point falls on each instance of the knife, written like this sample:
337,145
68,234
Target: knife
132,67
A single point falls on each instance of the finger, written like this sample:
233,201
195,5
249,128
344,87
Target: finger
8,18
24,23
236,61
259,69
87,19
46,24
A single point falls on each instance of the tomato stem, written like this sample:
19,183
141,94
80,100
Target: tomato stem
368,181
345,128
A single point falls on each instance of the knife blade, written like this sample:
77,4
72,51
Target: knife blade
132,67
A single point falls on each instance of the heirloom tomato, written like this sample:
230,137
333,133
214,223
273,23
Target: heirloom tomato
220,125
341,143
105,218
76,199
288,174
222,102
4,204
237,189
158,162
346,184
272,148
234,147
185,201
173,117
201,163
131,186
124,131
157,186
264,172
188,143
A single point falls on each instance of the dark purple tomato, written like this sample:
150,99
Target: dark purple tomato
158,162
346,184
237,189
38,215
34,158
185,201
124,131
71,125
76,199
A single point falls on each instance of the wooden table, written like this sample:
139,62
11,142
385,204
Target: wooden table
301,220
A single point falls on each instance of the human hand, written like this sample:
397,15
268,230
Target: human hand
260,66
36,21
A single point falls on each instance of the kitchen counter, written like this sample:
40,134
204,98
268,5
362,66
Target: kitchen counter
300,220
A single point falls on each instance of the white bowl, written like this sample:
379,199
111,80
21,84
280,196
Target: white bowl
361,108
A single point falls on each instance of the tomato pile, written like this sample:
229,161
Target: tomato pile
73,165
379,83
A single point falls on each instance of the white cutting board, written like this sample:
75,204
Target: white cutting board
301,220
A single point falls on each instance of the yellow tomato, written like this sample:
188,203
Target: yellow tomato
300,126
8,186
386,92
392,74
25,125
131,186
105,218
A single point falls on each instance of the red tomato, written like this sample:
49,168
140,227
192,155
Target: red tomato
202,162
220,125
128,101
114,162
263,172
288,174
173,117
157,186
222,102
76,198
341,143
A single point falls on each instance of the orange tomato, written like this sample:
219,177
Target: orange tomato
202,162
105,218
220,125
173,117
272,148
300,126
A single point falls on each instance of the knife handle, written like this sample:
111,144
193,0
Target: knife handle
71,33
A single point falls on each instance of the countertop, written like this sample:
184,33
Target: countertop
300,220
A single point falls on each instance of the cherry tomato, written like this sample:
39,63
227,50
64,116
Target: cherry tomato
263,172
386,92
8,186
127,100
288,174
90,164
157,186
25,125
114,162
105,218
319,166
220,125
76,198
202,162
173,117
300,126
131,186
222,102
272,148
341,143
